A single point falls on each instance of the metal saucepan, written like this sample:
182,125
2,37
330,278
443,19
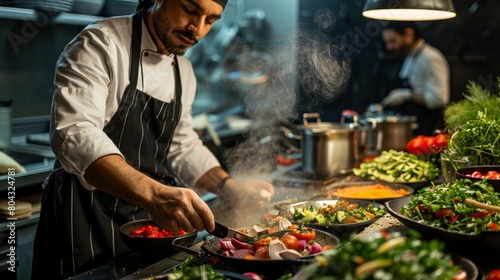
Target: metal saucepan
328,149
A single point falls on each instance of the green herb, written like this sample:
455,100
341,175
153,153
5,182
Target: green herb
443,206
478,139
475,99
186,272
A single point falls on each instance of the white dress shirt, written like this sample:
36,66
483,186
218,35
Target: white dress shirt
91,76
429,75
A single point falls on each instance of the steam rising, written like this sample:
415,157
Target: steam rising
312,61
317,63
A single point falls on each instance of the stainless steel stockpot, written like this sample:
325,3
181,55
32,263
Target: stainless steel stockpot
328,149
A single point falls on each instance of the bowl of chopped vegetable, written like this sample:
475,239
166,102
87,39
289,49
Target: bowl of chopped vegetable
463,214
390,255
477,173
398,167
338,216
145,238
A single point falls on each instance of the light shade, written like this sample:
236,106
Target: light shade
411,10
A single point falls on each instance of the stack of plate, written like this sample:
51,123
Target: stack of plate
120,7
15,209
88,7
44,5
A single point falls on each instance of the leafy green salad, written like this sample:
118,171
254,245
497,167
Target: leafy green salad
385,256
463,206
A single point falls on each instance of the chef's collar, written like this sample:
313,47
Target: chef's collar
418,47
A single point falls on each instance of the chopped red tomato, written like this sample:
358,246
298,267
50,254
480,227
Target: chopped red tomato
480,214
494,226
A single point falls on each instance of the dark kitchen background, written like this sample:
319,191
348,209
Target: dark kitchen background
470,43
264,59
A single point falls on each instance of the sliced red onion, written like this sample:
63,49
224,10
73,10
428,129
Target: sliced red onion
241,253
226,253
226,244
252,275
302,245
238,244
315,249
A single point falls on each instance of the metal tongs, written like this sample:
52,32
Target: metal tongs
223,231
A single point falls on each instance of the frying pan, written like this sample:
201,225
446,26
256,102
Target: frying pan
269,268
464,243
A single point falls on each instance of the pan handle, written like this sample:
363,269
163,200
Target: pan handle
184,249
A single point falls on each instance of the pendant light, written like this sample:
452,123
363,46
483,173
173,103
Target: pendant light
411,10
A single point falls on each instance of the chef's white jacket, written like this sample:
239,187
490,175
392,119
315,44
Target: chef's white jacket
429,75
91,76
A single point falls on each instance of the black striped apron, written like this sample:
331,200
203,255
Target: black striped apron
79,229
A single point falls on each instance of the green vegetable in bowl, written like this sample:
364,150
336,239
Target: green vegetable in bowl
342,212
385,256
398,167
187,272
446,206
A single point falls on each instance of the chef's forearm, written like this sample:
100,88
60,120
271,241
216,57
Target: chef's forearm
417,98
113,175
213,180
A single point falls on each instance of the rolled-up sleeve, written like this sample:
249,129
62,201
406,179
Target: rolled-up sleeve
80,100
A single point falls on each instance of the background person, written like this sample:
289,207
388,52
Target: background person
121,130
424,78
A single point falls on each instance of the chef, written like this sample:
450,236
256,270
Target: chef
122,132
424,87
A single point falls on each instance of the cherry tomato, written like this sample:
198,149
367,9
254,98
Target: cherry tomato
152,231
476,174
138,231
439,143
262,253
493,275
425,146
303,233
148,230
413,146
492,175
264,242
290,241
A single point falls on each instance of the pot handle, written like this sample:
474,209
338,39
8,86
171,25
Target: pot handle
350,113
184,249
307,116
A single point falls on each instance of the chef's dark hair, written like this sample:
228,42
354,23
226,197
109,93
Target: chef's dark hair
400,26
146,4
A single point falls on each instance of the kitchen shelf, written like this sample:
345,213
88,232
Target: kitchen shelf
33,15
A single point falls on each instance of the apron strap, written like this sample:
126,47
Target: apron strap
135,45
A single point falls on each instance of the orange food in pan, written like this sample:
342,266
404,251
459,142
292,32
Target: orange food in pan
370,191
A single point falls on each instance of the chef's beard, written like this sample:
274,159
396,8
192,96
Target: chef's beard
166,41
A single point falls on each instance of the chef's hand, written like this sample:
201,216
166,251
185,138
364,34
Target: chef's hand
250,194
176,207
397,97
